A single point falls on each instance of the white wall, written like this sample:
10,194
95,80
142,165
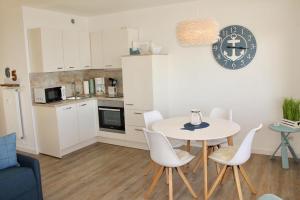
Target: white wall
196,81
12,50
34,18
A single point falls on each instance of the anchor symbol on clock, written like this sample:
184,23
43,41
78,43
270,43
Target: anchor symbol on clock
234,41
235,48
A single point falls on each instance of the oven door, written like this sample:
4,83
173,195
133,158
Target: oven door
111,118
53,94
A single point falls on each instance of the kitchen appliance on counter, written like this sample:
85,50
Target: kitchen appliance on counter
112,89
111,116
49,94
100,86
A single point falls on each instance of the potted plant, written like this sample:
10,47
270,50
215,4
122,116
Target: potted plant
291,112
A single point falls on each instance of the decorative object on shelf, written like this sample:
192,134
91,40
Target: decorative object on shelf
10,76
134,51
197,32
291,113
235,48
155,49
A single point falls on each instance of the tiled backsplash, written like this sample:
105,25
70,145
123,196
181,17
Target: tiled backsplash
66,78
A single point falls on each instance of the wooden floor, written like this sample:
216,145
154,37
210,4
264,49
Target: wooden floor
108,172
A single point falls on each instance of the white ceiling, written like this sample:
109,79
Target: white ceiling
95,7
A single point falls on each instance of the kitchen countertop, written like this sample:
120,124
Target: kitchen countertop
72,101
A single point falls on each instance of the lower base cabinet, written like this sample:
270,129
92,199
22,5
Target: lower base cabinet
63,129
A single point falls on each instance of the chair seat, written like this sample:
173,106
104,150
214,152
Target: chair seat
223,155
216,142
184,156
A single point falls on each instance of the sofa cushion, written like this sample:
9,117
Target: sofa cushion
16,183
8,155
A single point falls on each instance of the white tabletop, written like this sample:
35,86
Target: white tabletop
218,128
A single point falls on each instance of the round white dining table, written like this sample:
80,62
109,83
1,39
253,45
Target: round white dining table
217,129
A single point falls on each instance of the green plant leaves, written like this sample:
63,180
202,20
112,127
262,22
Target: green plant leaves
291,109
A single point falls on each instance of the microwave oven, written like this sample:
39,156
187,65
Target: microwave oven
49,94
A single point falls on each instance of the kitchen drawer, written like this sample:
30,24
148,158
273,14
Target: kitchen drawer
135,117
135,133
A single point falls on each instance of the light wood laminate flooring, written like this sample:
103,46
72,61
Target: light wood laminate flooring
108,172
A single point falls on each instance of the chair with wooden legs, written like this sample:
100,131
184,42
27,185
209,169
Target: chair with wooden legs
234,157
216,113
167,158
149,118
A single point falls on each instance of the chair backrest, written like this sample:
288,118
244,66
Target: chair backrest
221,113
151,117
244,151
161,150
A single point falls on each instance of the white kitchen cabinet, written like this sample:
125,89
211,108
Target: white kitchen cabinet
109,45
67,125
96,49
145,87
71,50
84,50
45,50
56,50
63,129
87,122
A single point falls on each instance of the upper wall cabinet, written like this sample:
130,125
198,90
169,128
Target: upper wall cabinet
109,45
84,50
71,49
45,49
55,50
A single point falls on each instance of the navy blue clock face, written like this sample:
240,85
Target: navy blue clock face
235,48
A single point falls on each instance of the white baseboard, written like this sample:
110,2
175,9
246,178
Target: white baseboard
124,143
78,146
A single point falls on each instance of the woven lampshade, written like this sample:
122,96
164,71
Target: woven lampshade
197,32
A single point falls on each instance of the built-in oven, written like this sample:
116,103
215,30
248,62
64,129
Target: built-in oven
111,116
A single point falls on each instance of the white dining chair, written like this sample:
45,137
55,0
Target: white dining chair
149,118
234,157
216,113
166,157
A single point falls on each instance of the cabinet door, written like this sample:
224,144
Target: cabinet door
115,45
52,50
87,121
96,50
71,50
137,82
67,125
84,50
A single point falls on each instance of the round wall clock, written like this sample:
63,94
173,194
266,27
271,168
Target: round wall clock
235,48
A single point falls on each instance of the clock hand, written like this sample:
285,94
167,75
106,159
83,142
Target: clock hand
229,47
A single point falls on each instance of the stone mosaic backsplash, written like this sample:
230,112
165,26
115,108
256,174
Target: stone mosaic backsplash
66,78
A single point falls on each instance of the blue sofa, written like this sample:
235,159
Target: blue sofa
21,183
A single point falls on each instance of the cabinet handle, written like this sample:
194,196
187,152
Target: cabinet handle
129,104
71,67
86,66
59,68
68,108
83,104
108,65
137,129
138,113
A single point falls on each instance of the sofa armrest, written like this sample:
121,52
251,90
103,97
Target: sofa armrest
34,164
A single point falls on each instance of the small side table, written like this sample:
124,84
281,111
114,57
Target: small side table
285,144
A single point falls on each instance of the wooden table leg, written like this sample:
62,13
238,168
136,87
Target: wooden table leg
188,146
230,141
204,151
